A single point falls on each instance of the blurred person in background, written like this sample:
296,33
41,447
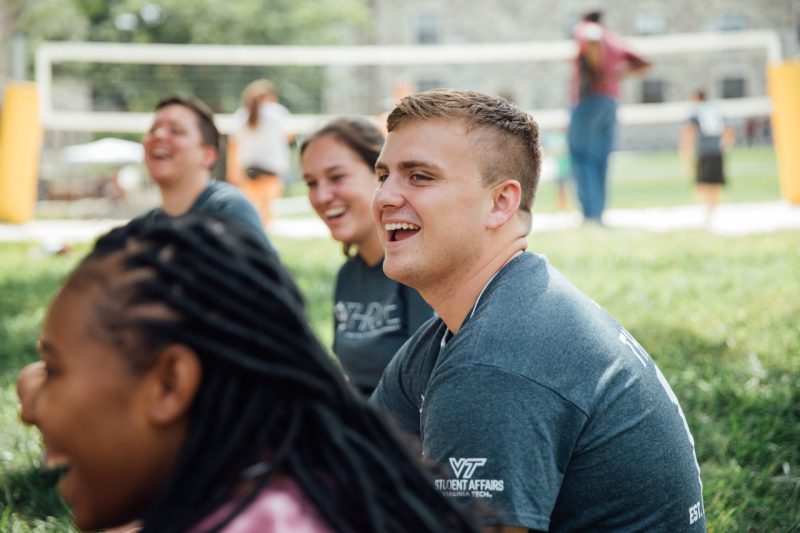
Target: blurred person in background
704,139
258,148
602,60
181,149
373,315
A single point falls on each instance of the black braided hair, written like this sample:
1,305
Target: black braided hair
269,390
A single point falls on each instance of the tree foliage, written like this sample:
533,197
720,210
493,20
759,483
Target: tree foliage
137,87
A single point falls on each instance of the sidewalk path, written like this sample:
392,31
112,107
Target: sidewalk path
730,219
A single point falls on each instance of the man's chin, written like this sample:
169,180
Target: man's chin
393,269
401,271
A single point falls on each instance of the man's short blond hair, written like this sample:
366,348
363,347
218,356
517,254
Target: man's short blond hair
508,137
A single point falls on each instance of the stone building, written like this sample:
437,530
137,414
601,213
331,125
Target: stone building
544,85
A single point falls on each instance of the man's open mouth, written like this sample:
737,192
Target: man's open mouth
399,231
160,153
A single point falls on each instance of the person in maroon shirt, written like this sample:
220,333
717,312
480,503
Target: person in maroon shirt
602,60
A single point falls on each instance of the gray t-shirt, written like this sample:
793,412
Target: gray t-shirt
709,125
373,316
547,410
226,202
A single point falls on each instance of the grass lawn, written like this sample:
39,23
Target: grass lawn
718,314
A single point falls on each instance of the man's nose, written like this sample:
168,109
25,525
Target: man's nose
157,132
388,194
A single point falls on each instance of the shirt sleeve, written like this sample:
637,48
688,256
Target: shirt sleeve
504,439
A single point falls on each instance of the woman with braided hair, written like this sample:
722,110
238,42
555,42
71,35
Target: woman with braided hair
185,389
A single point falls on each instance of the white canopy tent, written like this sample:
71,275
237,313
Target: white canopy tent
110,151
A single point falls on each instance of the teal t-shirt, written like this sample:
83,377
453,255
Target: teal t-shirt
225,202
546,409
372,317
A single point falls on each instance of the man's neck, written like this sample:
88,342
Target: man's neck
178,198
453,300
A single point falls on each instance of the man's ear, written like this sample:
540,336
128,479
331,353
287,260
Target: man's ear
210,155
172,384
506,197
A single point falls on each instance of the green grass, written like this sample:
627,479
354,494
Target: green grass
718,314
27,282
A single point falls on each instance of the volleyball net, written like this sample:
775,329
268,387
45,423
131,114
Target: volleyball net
69,75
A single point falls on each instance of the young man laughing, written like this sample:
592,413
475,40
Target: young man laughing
539,402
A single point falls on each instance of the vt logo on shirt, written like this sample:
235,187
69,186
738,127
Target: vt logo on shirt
464,468
357,320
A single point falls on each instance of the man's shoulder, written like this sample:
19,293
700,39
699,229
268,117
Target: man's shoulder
220,189
533,322
223,198
227,202
515,293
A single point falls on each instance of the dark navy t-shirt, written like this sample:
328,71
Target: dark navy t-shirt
547,410
225,202
373,316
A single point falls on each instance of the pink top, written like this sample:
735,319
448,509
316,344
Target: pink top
281,507
616,56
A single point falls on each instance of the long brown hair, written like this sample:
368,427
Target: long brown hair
253,96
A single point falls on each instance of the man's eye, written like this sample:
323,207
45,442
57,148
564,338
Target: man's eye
337,177
382,177
419,177
311,184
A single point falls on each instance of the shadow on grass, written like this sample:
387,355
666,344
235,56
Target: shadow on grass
31,494
743,409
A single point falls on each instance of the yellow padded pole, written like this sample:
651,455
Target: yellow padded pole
20,145
784,90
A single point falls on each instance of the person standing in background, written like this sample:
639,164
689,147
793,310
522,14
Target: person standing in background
258,149
602,60
704,139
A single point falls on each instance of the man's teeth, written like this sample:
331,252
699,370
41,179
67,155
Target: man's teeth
400,225
159,152
335,212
